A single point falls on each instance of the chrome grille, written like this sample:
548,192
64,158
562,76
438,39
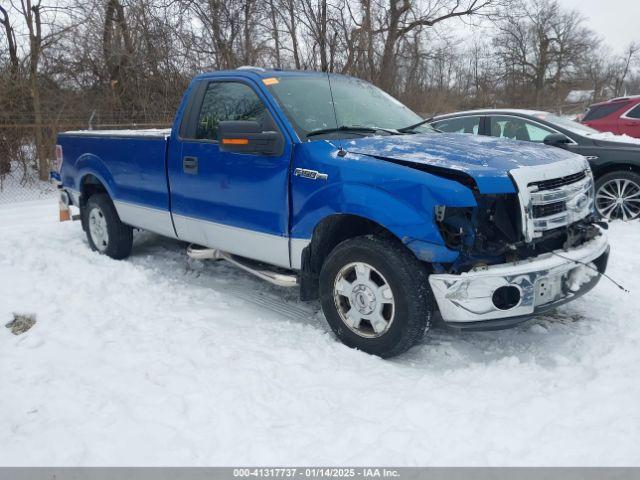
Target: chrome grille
553,195
548,209
559,202
559,182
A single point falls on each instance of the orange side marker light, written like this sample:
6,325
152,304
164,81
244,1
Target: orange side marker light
235,141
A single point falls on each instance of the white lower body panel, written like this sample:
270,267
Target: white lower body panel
152,219
263,247
272,249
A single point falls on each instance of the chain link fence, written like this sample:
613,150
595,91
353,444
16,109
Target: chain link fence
20,186
19,180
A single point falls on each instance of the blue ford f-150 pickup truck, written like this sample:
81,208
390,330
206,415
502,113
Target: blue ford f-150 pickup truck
327,183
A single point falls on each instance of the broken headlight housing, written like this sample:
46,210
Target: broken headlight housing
492,227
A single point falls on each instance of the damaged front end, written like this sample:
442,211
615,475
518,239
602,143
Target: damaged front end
481,234
520,254
503,295
491,233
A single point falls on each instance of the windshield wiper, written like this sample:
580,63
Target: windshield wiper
414,126
344,128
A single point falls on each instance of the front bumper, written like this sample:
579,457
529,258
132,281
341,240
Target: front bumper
544,282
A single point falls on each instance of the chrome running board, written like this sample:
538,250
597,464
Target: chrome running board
280,279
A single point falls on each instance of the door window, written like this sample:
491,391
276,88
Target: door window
518,129
635,113
459,125
227,101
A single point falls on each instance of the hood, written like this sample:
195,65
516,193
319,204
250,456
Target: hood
487,160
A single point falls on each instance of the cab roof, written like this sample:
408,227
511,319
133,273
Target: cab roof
259,72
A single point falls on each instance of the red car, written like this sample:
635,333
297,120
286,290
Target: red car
619,115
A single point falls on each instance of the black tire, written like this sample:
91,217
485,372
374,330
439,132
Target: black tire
119,240
607,184
393,264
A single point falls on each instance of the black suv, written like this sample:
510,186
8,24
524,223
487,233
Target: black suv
615,160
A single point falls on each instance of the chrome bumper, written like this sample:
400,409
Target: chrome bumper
475,299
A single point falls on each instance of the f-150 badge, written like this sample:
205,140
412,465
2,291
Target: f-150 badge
310,174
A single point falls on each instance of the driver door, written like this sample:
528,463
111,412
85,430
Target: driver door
236,202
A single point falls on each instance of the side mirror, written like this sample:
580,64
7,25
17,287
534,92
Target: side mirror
239,136
556,139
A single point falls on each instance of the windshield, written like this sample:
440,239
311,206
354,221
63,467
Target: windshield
571,125
306,101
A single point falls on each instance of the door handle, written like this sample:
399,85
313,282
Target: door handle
190,165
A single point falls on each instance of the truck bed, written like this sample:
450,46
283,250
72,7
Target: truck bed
131,164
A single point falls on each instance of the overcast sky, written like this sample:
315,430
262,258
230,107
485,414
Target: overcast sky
616,21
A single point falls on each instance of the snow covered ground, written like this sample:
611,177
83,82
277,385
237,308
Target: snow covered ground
159,360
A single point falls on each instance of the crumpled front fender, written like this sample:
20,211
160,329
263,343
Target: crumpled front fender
412,224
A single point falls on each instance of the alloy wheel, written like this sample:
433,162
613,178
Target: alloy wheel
364,300
619,198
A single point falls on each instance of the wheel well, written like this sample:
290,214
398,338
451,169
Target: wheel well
327,235
90,185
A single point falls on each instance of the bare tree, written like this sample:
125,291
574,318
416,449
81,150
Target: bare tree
403,17
539,43
10,36
288,13
315,18
621,68
275,31
32,15
118,51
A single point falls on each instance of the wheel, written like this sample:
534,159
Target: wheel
105,232
375,295
618,195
